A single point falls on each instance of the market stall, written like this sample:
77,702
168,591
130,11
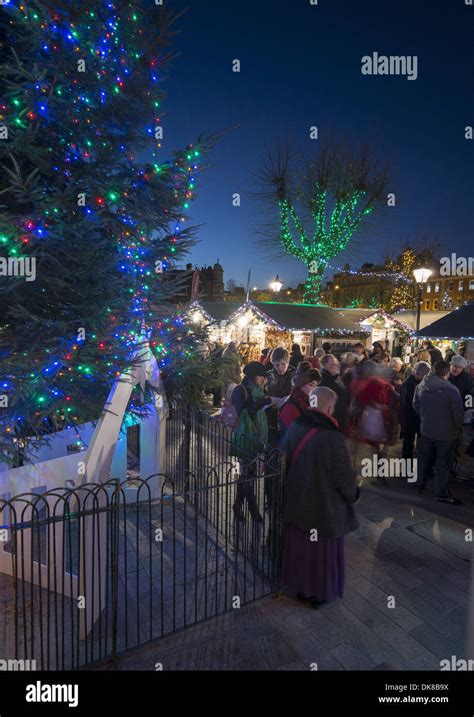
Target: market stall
258,325
408,317
392,333
455,330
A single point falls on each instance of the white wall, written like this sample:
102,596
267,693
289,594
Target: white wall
53,468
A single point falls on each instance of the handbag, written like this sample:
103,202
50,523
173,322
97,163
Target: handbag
372,425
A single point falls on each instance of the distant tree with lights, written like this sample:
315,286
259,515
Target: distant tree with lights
404,292
322,204
81,107
446,302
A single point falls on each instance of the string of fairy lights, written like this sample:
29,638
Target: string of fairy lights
99,37
325,243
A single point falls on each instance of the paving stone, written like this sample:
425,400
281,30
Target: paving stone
430,594
441,646
397,571
446,588
312,653
445,623
372,570
273,650
351,657
323,628
364,609
424,661
406,645
362,637
399,613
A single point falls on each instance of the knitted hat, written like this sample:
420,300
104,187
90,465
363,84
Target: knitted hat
255,368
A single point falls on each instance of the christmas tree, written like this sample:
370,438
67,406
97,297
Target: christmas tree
321,205
446,302
403,295
92,213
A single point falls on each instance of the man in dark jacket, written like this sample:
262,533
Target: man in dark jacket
460,378
409,419
330,379
441,410
435,353
278,386
320,492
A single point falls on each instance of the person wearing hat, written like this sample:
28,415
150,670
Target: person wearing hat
305,379
459,377
250,436
377,349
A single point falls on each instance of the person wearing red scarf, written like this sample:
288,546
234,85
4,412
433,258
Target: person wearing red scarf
305,379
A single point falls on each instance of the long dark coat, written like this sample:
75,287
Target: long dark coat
320,486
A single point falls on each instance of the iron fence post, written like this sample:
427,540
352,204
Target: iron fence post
187,437
115,516
279,525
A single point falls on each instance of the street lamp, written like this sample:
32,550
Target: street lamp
276,285
421,277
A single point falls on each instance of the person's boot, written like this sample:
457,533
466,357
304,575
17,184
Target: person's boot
449,499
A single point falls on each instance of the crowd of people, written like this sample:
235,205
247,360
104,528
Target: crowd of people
316,409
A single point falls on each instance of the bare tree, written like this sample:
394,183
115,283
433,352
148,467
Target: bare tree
322,203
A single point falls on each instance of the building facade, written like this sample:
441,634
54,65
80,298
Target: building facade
390,285
368,287
206,282
443,293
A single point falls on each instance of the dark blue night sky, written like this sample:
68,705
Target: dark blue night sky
301,66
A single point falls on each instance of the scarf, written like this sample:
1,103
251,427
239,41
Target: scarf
299,399
260,421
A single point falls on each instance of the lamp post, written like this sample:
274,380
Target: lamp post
421,277
276,285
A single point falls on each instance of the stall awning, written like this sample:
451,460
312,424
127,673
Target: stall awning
217,311
408,317
459,324
322,320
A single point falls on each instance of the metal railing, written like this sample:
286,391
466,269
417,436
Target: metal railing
91,572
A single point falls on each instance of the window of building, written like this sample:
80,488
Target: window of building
460,285
471,284
451,286
437,287
427,305
435,304
428,288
